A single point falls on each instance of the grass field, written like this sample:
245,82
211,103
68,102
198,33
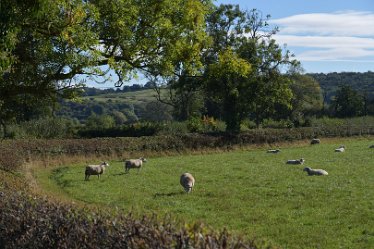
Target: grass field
250,192
135,97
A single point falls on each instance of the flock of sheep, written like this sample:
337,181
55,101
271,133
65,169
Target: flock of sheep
187,180
310,171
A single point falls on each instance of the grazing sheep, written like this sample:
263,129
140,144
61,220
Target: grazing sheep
273,151
315,141
95,170
300,161
371,146
134,163
340,149
187,181
317,172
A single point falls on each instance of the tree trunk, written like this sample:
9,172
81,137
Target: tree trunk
232,117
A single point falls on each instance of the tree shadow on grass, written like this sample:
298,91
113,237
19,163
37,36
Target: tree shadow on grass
119,174
168,194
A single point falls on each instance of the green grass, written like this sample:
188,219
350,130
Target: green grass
136,98
250,192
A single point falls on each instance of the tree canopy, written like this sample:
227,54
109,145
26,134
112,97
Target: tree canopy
46,44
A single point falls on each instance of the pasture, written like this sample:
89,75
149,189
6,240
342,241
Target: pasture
250,192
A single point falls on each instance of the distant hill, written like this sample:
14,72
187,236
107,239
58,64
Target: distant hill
139,102
361,82
134,105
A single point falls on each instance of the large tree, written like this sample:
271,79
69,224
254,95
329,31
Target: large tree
46,44
248,36
307,99
348,103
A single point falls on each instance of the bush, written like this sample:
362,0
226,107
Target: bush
48,127
173,128
270,123
133,130
204,124
195,124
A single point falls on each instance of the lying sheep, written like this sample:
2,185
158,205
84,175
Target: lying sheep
340,149
187,181
317,172
134,163
300,161
315,141
273,151
95,170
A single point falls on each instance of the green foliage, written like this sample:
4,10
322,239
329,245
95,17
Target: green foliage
173,128
226,83
342,123
204,124
270,123
99,122
119,117
243,66
47,127
250,192
348,103
306,100
132,130
46,43
331,82
146,141
194,124
29,221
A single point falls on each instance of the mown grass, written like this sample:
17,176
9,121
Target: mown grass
250,192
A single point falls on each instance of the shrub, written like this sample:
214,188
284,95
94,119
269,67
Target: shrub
133,130
48,127
195,124
270,123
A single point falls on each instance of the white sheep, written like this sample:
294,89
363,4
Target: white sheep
273,151
340,149
95,170
134,164
317,172
187,181
297,161
315,141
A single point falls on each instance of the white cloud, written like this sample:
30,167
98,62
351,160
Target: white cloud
325,41
338,54
338,36
348,23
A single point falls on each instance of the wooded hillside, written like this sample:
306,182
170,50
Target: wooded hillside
360,82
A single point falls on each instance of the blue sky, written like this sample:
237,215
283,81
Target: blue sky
325,35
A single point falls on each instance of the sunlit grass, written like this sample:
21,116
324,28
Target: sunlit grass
251,192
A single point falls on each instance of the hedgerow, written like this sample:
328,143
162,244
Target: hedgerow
13,153
28,221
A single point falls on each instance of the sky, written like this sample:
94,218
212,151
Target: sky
324,35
